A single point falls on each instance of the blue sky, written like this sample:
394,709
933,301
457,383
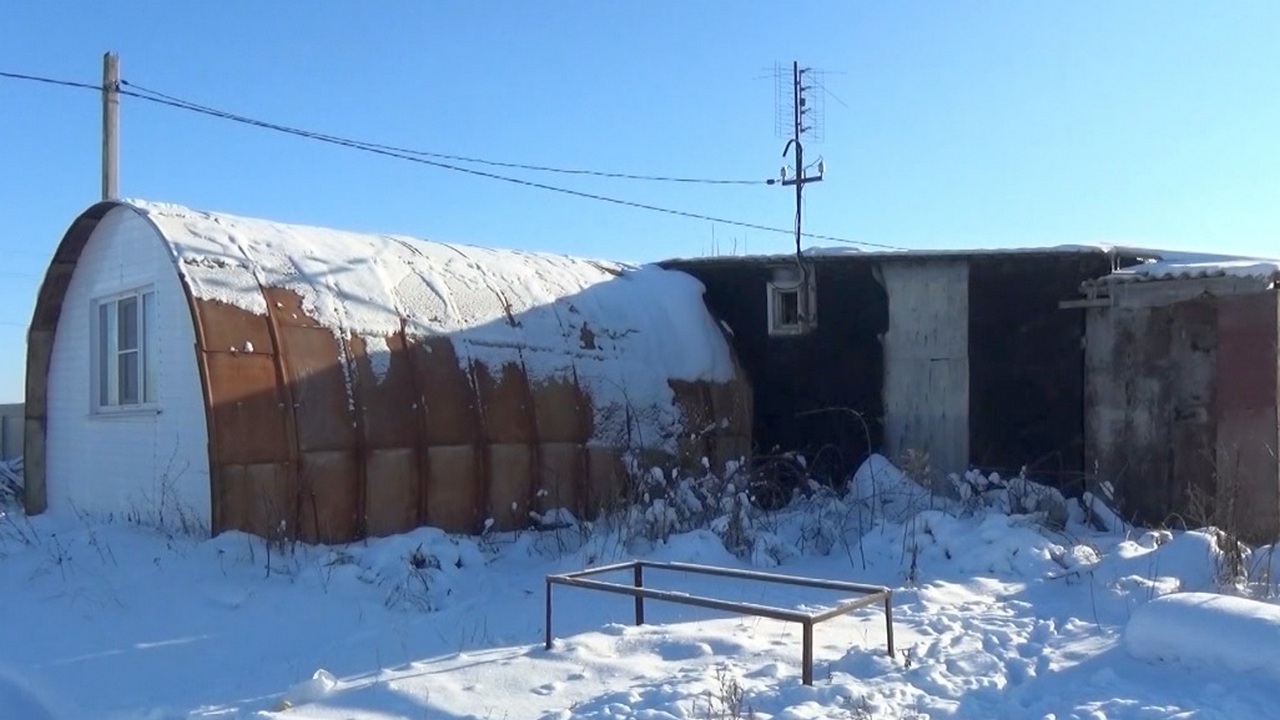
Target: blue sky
978,124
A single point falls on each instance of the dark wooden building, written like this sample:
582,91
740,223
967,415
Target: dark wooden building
964,356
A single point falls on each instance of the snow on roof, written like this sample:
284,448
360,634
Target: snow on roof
841,253
1167,265
622,330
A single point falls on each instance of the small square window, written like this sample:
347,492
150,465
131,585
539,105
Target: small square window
790,308
124,351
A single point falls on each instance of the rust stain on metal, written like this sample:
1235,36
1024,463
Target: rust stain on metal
314,363
388,421
510,437
249,422
450,433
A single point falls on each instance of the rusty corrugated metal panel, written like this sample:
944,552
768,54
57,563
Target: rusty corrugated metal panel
510,438
252,472
314,363
452,488
563,418
392,427
259,498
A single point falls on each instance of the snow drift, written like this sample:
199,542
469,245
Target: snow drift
1203,630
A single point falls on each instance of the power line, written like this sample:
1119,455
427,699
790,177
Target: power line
418,157
406,155
477,161
49,81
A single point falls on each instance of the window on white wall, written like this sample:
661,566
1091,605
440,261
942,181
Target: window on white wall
124,351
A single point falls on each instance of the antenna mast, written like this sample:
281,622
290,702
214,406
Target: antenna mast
801,114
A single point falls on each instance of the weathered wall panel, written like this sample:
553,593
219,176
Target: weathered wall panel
819,393
511,485
1130,400
1248,472
392,489
454,489
562,478
330,496
1026,364
926,360
391,423
1177,404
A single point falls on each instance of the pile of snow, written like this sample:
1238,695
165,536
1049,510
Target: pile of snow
1203,630
609,327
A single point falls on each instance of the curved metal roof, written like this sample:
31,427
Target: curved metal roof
364,384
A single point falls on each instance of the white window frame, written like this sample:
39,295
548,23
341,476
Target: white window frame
106,355
805,303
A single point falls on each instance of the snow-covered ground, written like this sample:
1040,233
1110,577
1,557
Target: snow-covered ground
996,616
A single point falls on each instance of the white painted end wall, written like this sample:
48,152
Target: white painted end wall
152,465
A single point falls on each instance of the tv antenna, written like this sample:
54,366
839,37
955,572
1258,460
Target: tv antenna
798,116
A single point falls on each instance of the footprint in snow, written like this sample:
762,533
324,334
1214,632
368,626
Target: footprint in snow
547,689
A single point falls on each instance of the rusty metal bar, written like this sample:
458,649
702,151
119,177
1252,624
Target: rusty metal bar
639,580
599,570
683,599
765,577
848,606
806,659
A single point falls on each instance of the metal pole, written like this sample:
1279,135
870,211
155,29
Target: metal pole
888,621
639,582
110,126
806,671
799,104
548,628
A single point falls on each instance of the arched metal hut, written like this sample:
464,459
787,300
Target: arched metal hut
195,368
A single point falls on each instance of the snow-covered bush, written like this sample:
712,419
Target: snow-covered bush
11,484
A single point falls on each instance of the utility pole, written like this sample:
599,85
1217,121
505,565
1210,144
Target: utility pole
800,179
110,126
800,297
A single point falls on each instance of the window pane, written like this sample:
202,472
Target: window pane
128,314
104,354
149,359
788,309
128,373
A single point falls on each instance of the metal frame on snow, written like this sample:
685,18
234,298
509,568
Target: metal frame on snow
870,595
